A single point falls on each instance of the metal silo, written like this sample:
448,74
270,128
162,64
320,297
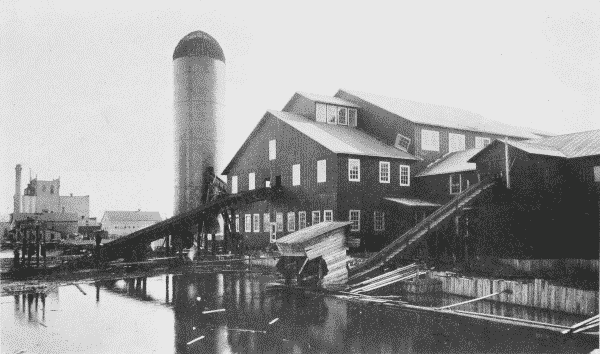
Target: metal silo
199,110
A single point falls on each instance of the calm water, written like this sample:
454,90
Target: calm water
161,315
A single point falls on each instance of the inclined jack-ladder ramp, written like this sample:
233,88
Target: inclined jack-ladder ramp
418,231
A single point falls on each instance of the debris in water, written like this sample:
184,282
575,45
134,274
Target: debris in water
211,311
245,330
80,289
195,340
273,321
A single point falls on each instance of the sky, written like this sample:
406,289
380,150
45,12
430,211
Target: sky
86,91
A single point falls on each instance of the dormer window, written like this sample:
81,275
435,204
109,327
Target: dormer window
402,142
343,116
332,114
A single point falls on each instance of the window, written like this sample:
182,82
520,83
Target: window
251,181
316,217
456,142
328,215
301,220
321,171
296,175
321,112
234,185
266,221
267,182
237,223
352,117
291,221
355,219
51,189
596,173
379,220
248,223
332,114
455,180
430,140
279,221
44,188
384,172
272,149
404,175
402,142
343,116
256,222
481,142
354,170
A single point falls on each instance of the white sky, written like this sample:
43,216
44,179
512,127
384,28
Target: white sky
86,93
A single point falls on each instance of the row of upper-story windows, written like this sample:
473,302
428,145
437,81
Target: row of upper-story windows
430,141
332,114
353,174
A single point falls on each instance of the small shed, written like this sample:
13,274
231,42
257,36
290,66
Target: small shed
317,252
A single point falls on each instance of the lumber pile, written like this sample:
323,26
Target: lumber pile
389,278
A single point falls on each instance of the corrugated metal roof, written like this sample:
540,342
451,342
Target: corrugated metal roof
310,232
572,145
341,139
441,116
327,99
131,216
412,202
451,163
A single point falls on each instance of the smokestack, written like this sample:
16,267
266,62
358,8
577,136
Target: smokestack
17,205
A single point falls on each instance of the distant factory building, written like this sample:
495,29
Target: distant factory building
53,225
355,157
121,223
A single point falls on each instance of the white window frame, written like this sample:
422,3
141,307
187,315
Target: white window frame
407,169
272,150
256,222
296,175
399,139
339,115
321,115
279,221
266,221
379,220
251,181
273,235
248,223
354,217
291,221
316,213
355,118
301,220
351,164
237,223
384,176
332,114
596,173
327,215
480,142
430,140
456,142
459,184
234,184
321,171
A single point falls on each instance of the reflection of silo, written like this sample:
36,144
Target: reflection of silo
199,109
17,206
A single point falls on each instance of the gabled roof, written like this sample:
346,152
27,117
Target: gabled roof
335,138
569,146
131,216
441,116
457,161
327,99
341,139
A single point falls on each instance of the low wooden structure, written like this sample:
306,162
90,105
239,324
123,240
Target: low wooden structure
316,253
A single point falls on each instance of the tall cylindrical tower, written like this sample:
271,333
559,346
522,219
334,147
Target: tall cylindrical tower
199,110
17,206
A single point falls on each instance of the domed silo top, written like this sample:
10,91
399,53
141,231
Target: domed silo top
198,44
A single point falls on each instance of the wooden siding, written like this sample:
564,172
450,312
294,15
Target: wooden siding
436,188
302,106
292,148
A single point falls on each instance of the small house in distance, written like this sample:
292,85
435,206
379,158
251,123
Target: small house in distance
315,253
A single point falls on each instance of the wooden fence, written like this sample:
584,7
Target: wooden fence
567,266
537,293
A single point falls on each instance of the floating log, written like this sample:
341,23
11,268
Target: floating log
274,320
582,323
473,300
195,340
387,282
80,289
213,311
585,328
383,276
